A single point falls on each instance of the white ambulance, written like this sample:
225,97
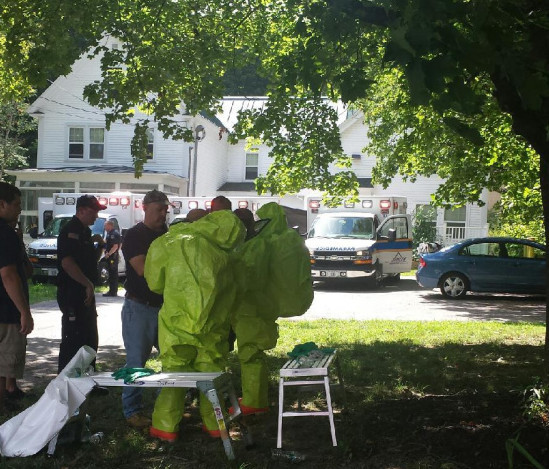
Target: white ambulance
370,239
123,208
183,205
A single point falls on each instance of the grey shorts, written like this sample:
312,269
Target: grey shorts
13,347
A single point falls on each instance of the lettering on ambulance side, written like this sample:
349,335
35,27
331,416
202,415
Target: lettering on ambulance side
398,259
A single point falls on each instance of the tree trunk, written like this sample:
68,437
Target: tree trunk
531,124
544,180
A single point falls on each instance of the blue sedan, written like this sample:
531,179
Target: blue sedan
503,265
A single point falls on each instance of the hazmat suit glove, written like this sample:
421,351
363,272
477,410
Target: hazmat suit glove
121,373
126,373
138,374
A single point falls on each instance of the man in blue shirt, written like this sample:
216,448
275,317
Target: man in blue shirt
112,248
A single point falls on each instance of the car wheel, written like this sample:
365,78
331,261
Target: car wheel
454,285
102,274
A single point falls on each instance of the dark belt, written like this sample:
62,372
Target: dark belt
141,301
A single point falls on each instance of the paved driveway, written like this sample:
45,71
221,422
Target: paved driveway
408,301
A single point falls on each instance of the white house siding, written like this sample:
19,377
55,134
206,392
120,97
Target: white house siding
353,140
211,169
236,162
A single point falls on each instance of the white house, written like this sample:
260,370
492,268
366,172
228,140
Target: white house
77,154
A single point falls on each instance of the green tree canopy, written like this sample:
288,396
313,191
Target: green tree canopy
466,82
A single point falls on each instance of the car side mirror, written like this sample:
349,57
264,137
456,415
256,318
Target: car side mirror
392,235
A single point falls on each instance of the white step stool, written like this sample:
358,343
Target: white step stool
307,368
210,384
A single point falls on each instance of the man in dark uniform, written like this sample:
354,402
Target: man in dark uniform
15,315
112,246
76,261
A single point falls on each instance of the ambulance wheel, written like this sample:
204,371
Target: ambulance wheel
375,281
392,279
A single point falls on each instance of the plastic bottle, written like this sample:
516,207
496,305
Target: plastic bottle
291,456
97,438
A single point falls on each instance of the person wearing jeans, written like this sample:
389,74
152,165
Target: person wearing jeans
141,305
140,335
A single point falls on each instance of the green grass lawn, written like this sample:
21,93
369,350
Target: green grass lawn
419,395
47,291
402,379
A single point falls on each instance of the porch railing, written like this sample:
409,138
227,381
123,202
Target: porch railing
452,234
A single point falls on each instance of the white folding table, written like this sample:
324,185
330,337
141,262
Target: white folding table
210,384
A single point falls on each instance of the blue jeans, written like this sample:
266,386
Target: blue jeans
140,334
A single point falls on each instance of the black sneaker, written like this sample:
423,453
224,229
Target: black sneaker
110,294
15,395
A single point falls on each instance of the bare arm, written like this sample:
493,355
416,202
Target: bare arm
112,250
71,267
138,264
14,288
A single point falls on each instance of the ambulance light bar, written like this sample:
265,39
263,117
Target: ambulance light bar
314,205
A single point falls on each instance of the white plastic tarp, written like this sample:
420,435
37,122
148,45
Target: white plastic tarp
31,430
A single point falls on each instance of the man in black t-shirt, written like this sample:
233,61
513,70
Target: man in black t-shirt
112,245
15,316
77,264
141,306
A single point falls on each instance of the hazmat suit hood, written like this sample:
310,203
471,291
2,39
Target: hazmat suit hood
275,213
274,270
221,228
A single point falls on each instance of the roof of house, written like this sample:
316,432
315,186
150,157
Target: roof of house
232,105
94,169
237,187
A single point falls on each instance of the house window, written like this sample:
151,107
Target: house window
455,219
251,166
76,142
455,216
150,144
97,143
86,143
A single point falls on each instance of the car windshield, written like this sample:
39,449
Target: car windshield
98,227
56,225
342,227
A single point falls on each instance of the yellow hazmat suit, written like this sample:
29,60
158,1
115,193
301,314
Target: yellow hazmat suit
191,266
274,279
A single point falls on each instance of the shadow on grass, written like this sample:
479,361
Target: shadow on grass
408,406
